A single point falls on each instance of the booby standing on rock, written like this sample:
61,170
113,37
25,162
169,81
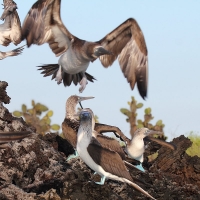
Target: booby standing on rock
108,142
43,24
6,137
71,124
10,31
107,163
135,147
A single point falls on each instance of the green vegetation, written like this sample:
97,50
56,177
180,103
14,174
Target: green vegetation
135,123
33,117
131,114
194,150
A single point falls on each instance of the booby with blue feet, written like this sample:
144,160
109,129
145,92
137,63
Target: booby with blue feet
71,124
135,147
107,163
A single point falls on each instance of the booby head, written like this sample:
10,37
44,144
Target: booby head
144,132
136,147
87,115
74,99
71,103
100,51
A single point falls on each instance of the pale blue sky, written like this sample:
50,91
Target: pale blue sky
172,33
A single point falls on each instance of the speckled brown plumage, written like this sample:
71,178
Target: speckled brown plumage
43,24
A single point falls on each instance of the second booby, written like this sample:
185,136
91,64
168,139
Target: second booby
135,147
107,163
71,124
43,24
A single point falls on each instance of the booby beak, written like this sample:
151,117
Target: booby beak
82,99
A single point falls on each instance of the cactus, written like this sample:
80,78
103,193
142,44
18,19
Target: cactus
131,115
195,148
32,117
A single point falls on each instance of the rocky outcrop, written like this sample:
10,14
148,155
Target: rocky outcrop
36,168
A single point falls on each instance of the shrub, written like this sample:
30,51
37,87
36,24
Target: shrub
33,117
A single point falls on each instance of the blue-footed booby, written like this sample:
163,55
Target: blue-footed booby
10,30
135,147
71,124
43,24
6,137
107,163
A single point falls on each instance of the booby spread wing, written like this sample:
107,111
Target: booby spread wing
109,160
43,24
103,128
10,30
127,41
161,142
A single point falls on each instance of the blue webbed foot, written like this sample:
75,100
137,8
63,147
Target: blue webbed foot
102,181
140,167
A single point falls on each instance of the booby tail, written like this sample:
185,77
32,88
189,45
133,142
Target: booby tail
137,187
52,69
